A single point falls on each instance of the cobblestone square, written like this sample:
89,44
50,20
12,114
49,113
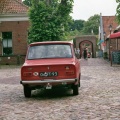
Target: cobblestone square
99,97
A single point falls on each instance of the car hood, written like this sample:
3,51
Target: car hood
49,62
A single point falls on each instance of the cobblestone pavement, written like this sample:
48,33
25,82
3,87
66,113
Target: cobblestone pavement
99,97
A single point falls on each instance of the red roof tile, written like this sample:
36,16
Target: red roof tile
12,6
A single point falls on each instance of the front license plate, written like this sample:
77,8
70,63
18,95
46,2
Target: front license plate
48,74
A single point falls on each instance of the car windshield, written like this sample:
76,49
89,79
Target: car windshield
50,51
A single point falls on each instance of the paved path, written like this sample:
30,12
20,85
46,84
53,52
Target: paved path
99,97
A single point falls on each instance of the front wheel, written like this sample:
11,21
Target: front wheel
75,90
27,91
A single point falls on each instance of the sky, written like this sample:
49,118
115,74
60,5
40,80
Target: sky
84,9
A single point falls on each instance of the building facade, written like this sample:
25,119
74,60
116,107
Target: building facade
14,25
86,41
108,25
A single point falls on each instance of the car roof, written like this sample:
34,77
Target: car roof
51,42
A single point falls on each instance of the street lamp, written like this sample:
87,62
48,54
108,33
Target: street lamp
104,35
110,29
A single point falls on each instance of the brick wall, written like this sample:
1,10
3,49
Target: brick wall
12,60
19,35
90,38
107,21
19,38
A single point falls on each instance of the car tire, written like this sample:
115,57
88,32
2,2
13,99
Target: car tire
79,82
75,90
27,92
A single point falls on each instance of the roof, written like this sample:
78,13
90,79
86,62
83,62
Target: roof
12,7
52,42
115,35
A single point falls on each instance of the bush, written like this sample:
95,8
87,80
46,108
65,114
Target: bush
105,55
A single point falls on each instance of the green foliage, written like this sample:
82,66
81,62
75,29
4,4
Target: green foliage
92,24
105,55
72,34
81,27
76,25
49,20
118,11
118,1
28,2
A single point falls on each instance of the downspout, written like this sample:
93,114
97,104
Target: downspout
101,29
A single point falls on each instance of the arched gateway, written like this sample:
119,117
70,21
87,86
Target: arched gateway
88,41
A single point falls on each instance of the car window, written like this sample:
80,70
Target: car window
50,51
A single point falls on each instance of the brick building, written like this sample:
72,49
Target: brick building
14,25
108,26
107,21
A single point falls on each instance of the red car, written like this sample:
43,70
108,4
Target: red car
50,64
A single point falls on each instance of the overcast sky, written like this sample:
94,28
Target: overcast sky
83,9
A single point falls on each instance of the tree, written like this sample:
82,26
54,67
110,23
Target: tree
28,2
76,25
118,11
91,25
49,19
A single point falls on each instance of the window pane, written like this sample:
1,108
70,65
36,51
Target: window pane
7,51
7,35
7,43
50,51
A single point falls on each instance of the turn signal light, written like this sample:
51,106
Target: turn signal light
69,72
27,74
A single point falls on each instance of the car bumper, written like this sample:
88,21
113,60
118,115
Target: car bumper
48,81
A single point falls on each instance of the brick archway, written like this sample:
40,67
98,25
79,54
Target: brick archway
84,44
91,40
